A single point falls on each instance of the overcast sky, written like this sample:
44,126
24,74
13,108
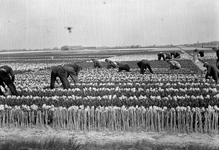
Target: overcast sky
33,24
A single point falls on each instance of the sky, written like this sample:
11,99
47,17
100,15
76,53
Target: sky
38,24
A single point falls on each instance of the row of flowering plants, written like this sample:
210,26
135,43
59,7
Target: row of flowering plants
178,119
201,100
108,87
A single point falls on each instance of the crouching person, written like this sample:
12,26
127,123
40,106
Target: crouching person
123,66
110,64
6,79
143,65
174,65
212,71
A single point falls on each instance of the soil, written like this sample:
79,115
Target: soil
107,137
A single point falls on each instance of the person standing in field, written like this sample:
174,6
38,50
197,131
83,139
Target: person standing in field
212,71
7,77
143,65
62,73
174,65
97,64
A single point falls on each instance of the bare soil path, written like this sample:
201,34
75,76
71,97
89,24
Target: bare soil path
107,137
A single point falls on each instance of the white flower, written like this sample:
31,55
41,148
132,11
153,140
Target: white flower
34,107
2,107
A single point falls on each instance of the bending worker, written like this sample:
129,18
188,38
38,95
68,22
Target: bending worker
123,66
7,77
161,55
97,64
143,65
175,54
110,64
212,71
174,64
62,72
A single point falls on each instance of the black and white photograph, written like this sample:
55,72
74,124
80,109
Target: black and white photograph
109,74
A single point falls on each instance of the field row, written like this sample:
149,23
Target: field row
180,119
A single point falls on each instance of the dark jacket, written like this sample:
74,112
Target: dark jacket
161,56
76,67
5,78
212,71
9,71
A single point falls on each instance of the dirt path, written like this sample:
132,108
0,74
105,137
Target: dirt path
176,139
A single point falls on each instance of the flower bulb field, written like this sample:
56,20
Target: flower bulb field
105,100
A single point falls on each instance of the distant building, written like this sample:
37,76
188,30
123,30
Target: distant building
63,48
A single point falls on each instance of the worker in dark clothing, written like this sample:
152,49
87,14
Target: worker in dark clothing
6,79
175,55
143,65
110,64
123,66
201,53
217,52
97,64
161,55
3,85
9,71
62,72
212,71
76,68
168,56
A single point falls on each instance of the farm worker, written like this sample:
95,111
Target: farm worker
197,52
6,79
201,53
168,56
175,54
9,71
174,64
110,64
217,53
143,65
212,71
97,64
76,68
62,72
161,55
123,66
